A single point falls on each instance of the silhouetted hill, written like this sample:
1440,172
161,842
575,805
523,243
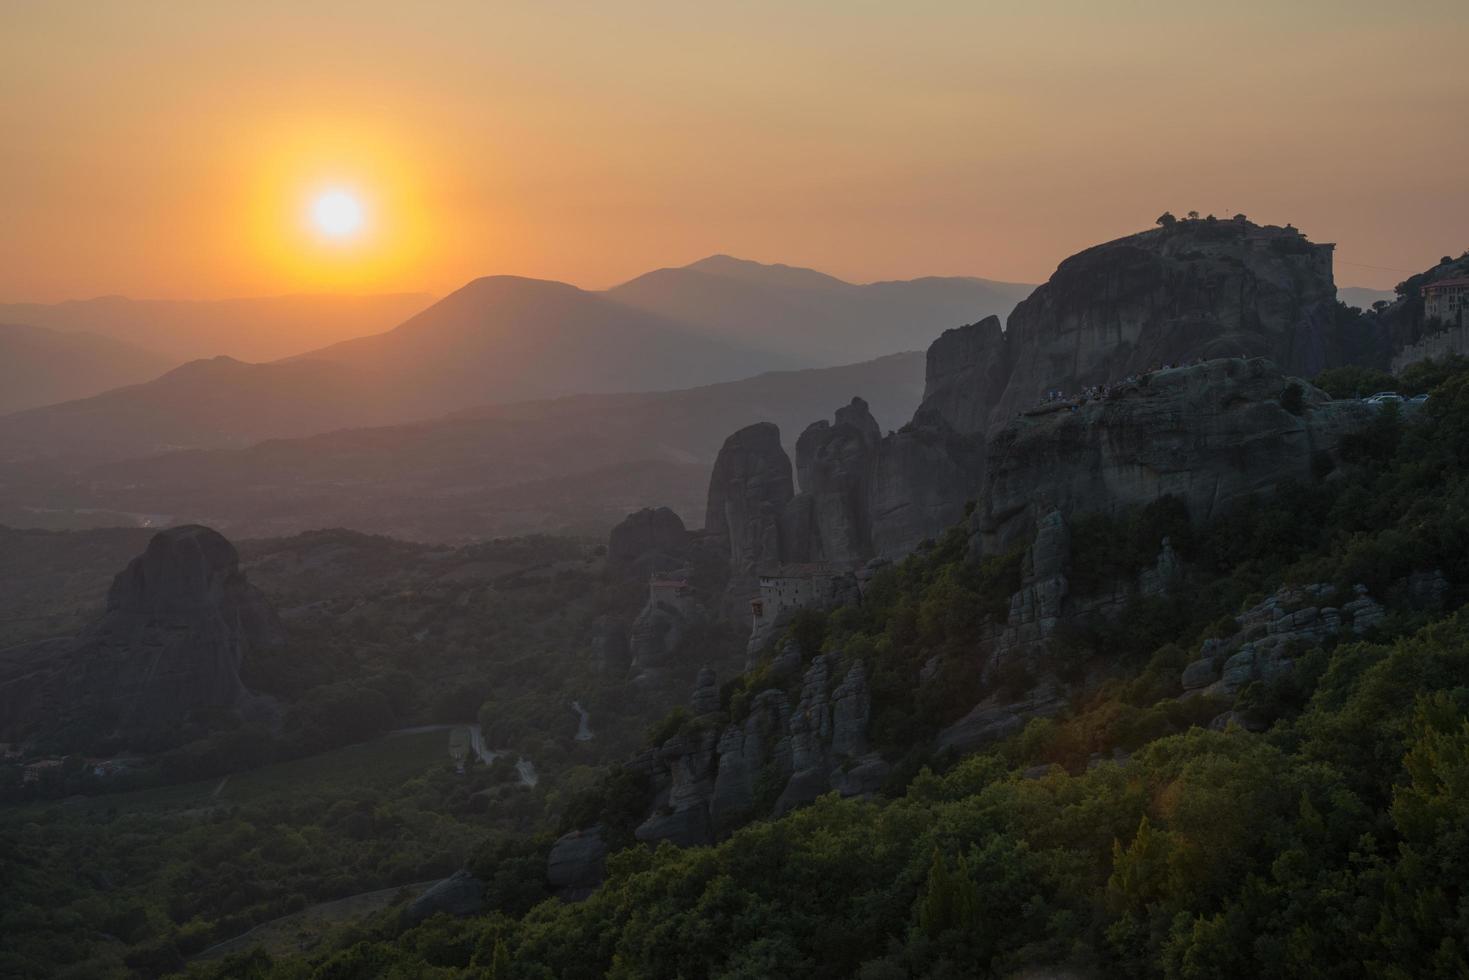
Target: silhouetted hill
1362,298
811,316
504,339
216,402
259,329
40,366
578,463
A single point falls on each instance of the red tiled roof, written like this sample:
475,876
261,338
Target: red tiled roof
1456,281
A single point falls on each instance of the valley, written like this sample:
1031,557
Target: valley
840,623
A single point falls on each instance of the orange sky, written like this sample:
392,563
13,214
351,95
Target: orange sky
170,149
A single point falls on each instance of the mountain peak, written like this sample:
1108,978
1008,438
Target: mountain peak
748,270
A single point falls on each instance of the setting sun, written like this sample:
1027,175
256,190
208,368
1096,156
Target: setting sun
337,214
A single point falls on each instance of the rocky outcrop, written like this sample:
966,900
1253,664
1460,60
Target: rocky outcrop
648,533
967,371
926,472
1211,434
749,752
657,634
1036,610
993,719
689,762
834,464
1198,289
1272,633
710,778
748,492
459,894
180,621
577,864
705,700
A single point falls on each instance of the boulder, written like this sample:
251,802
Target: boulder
577,864
1201,673
459,894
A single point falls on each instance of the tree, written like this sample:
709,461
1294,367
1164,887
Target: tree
1193,216
1166,220
499,962
951,900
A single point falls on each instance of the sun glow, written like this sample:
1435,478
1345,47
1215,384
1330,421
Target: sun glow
336,206
337,214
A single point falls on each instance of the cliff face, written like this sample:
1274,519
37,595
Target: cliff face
966,373
835,463
1244,306
180,620
1198,289
1211,434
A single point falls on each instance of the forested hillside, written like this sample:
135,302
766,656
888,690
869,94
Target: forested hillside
1316,830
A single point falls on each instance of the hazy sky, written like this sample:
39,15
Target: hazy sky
172,149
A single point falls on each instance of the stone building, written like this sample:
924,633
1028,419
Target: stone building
1446,300
786,588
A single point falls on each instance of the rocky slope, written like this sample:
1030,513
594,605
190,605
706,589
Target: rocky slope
180,620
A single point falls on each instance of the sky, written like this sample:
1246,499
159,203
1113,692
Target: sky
175,150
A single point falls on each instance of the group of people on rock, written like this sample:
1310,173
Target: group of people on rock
1103,391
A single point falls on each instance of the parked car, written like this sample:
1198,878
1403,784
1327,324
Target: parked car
1383,397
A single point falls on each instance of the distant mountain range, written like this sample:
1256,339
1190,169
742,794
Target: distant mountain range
248,329
1362,298
504,339
810,317
40,366
574,464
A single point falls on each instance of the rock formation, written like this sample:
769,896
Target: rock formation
648,533
1272,633
658,631
710,777
460,894
835,465
748,493
180,621
966,374
1211,434
577,864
